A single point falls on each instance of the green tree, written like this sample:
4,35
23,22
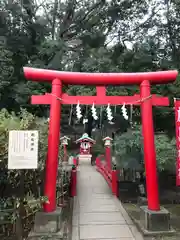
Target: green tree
129,151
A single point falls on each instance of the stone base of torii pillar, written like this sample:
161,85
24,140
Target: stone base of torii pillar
153,223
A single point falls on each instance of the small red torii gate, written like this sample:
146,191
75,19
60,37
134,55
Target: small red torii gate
56,98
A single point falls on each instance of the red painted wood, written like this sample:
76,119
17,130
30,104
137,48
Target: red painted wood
114,183
108,156
177,120
149,148
41,99
101,91
53,148
101,80
73,182
81,78
112,100
89,100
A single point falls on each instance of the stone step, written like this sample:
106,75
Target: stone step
47,236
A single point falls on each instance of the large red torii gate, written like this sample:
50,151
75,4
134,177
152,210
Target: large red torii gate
56,98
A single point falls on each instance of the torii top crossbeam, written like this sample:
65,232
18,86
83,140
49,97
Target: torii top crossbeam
81,78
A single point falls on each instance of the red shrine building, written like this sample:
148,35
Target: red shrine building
85,147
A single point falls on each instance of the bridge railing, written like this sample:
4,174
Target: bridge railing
76,161
73,181
109,175
73,186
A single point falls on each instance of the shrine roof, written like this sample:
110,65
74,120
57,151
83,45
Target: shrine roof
107,138
85,137
64,137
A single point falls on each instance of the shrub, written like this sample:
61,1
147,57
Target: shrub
129,151
11,180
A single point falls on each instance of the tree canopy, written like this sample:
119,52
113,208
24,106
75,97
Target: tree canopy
89,36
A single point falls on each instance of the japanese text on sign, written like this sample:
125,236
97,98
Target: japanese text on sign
23,150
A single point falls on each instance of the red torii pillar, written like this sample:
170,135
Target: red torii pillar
53,146
56,98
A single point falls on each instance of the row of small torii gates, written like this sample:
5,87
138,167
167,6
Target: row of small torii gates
145,100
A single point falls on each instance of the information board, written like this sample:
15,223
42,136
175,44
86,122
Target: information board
23,150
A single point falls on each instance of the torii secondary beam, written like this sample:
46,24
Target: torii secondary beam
99,100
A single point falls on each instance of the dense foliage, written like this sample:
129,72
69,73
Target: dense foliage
85,36
129,151
21,190
18,183
90,36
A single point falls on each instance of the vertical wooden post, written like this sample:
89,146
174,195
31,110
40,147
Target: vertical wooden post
108,156
149,147
53,146
114,183
65,153
73,182
107,144
177,124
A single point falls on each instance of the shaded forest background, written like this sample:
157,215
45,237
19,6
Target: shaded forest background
92,36
83,36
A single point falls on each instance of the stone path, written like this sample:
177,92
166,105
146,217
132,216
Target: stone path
97,214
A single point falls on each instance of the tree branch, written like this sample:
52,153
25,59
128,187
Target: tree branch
80,20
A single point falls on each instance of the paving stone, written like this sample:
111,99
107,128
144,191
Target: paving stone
75,233
101,189
76,207
75,204
121,238
99,208
98,215
101,218
75,220
124,213
96,196
104,231
100,201
136,233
